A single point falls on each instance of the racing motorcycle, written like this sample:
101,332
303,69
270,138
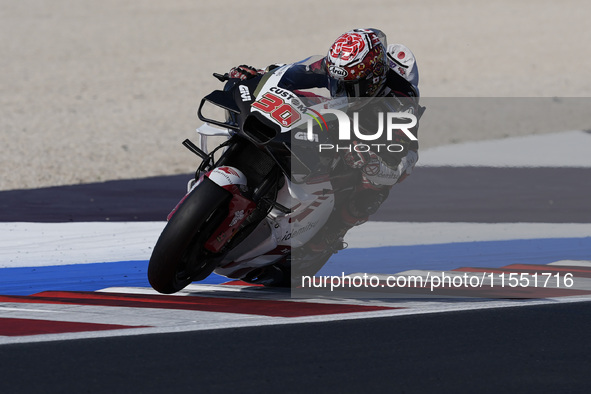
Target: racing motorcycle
261,197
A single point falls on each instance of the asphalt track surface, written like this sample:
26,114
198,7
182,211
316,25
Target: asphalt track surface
536,349
541,348
432,194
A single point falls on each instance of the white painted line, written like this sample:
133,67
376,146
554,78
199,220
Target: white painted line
212,320
10,309
375,234
44,244
566,149
47,244
574,263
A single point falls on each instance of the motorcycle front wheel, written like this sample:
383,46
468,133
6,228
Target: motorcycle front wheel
178,257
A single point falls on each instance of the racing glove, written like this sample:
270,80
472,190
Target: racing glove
243,72
380,173
358,157
376,170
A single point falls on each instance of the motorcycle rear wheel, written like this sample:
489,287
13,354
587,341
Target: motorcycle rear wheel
178,257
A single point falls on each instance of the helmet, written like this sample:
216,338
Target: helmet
356,64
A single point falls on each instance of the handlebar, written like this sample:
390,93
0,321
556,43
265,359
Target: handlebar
222,77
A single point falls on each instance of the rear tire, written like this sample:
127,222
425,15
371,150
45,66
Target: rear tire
178,257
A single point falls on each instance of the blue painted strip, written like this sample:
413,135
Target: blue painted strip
79,277
394,259
384,260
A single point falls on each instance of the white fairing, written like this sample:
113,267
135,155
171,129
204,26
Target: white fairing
311,209
279,232
226,175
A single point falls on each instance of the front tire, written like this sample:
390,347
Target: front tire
178,256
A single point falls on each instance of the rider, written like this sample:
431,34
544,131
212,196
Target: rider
360,64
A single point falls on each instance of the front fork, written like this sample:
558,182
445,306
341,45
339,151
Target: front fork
239,209
248,205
